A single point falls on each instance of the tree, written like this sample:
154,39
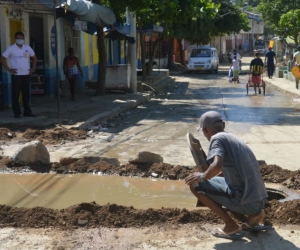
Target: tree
289,25
273,10
163,13
101,79
188,22
204,27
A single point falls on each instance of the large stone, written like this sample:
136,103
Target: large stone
147,157
32,152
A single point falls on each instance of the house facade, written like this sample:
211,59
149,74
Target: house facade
36,21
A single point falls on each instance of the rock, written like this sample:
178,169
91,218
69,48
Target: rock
112,161
32,152
82,222
154,175
172,176
147,157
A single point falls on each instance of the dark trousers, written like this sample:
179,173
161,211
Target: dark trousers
270,69
72,83
20,83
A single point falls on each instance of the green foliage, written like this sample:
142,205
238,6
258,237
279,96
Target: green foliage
249,3
203,28
289,25
273,10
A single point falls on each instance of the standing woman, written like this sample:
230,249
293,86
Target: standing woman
71,69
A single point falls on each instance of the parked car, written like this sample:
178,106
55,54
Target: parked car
204,58
260,49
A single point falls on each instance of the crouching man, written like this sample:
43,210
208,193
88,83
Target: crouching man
242,188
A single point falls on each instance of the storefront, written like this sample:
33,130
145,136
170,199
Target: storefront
34,20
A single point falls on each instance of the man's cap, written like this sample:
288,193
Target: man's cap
210,119
270,47
298,47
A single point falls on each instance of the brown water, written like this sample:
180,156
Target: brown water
61,191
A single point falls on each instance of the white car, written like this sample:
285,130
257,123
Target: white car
204,58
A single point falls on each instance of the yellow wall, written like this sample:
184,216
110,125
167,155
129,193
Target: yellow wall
15,26
86,49
95,51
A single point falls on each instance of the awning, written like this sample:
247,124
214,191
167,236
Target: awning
116,35
97,14
71,17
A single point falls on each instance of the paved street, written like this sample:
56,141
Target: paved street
269,124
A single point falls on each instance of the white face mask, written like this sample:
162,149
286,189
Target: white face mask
19,41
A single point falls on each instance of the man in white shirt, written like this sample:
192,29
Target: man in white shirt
19,55
296,61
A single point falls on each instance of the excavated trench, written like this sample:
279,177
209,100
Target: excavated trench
89,192
159,195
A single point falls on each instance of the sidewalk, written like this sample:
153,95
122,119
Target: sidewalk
89,109
83,112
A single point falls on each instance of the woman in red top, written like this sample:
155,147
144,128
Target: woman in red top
72,68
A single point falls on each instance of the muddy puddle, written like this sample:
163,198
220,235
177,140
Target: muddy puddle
61,191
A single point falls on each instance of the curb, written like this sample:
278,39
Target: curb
282,90
102,117
144,97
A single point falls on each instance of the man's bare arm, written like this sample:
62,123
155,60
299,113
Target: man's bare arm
34,61
4,64
213,170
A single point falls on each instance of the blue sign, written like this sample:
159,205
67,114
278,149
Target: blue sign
53,42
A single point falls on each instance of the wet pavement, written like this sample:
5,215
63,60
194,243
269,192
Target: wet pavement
269,125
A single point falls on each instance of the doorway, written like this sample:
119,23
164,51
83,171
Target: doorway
36,41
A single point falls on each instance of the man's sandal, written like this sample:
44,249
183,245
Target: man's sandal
219,233
256,228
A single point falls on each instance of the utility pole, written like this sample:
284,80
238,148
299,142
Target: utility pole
252,32
56,63
132,52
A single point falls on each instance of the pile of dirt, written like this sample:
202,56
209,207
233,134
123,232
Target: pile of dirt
6,134
90,215
270,173
46,136
54,136
275,174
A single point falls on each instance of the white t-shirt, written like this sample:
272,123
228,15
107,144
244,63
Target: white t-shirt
19,58
235,64
297,55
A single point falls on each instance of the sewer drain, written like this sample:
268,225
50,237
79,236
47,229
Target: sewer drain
275,194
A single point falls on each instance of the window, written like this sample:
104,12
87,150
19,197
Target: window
201,53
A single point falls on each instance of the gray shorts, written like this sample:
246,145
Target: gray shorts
217,190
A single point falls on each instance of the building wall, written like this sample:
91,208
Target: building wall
86,50
7,13
53,72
